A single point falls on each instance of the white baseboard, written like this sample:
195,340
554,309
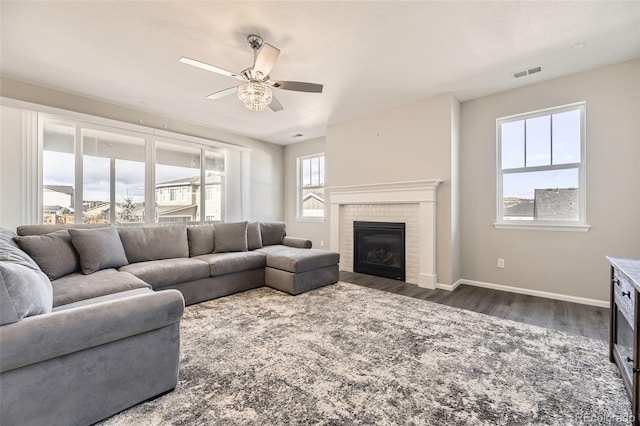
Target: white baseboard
530,292
449,287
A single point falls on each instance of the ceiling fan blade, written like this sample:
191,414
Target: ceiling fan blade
266,59
275,105
222,93
208,67
298,86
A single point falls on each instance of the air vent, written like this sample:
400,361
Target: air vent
525,73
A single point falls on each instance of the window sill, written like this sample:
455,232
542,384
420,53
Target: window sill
542,227
310,219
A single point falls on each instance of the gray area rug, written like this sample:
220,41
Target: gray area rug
346,354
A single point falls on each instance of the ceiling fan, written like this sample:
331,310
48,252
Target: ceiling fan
255,91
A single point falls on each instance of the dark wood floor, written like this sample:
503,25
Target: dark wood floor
584,320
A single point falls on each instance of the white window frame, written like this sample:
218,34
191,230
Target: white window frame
151,138
300,189
578,225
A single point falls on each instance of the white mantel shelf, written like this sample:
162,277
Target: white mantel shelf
385,193
422,193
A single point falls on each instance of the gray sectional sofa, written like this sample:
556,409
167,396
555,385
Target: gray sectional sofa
90,315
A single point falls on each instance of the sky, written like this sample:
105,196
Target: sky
548,142
58,169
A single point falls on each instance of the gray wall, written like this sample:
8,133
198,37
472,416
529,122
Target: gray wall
570,263
267,160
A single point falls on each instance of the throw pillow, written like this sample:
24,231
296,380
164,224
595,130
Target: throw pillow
98,249
10,252
53,252
254,238
230,237
272,232
200,240
24,292
154,242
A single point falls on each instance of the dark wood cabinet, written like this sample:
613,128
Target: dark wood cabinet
625,323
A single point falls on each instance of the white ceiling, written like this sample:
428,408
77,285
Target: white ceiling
370,56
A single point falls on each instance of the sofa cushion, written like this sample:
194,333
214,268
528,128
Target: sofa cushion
24,289
200,240
298,260
106,298
230,237
98,249
47,229
297,242
76,287
10,252
142,244
272,232
254,238
228,263
161,273
53,252
24,292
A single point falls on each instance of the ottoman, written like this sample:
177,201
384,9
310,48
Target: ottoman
296,270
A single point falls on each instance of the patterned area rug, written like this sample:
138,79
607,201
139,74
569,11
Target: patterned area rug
346,354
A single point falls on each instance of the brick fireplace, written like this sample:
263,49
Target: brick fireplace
412,203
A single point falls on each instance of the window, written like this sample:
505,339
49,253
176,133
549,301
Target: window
541,168
58,172
98,174
113,167
311,187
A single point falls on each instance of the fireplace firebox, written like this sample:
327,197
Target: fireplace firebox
379,249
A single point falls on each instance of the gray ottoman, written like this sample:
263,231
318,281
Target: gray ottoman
296,270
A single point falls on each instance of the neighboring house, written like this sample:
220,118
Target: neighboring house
179,200
58,204
548,204
556,204
97,212
313,204
518,208
61,195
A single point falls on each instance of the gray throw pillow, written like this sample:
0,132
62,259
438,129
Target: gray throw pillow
254,238
272,232
10,252
24,292
53,252
146,243
98,249
230,237
200,240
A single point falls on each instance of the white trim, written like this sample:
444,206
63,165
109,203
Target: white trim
395,192
582,183
427,280
421,192
31,194
311,219
63,114
533,226
448,287
537,293
300,189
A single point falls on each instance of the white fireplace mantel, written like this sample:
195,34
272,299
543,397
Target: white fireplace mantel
422,193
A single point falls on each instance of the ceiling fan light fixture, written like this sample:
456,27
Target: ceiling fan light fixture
255,95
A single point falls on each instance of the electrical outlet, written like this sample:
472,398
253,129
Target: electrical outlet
501,263
321,243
